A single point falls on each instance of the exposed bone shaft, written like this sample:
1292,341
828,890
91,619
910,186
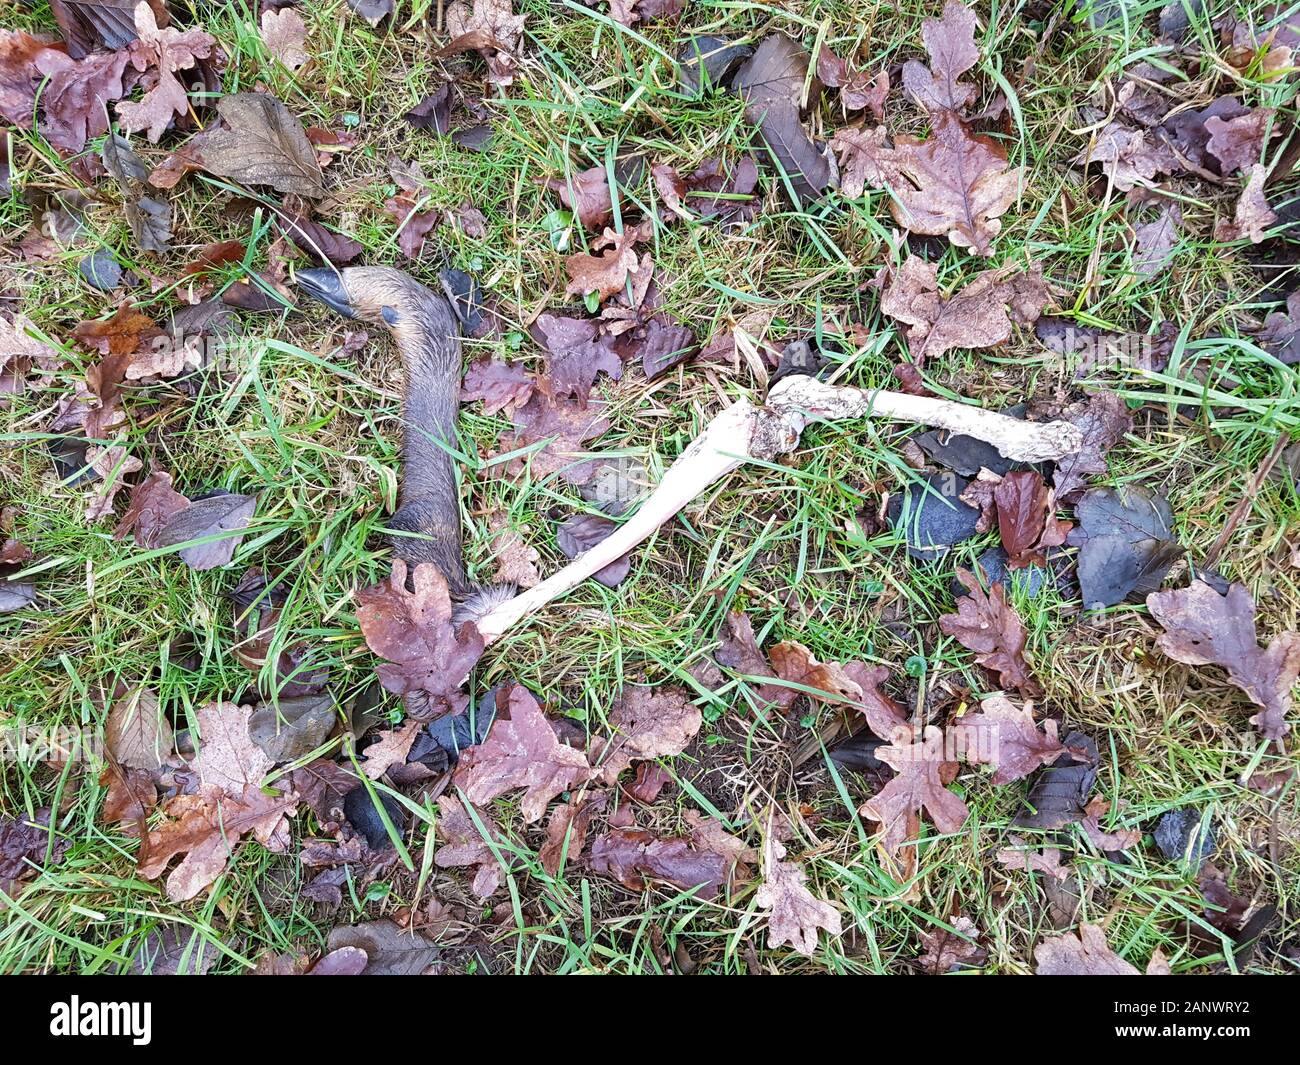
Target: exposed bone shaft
744,431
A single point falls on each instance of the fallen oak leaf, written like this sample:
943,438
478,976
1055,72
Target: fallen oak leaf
587,195
605,274
464,845
285,35
950,42
113,465
1203,627
1004,735
576,352
521,751
631,856
566,831
1086,953
954,184
948,949
153,502
166,51
976,316
500,384
513,561
207,826
917,786
1129,157
75,99
413,224
1121,840
1032,860
20,78
1238,141
795,914
709,191
562,426
647,723
490,28
988,625
858,88
425,656
1103,419
1281,332
1252,215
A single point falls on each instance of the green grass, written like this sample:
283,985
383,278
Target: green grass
314,435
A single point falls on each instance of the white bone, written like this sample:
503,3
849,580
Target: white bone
743,432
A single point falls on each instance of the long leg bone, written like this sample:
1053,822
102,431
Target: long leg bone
744,431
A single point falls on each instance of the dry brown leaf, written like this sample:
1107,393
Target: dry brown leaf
76,97
490,28
265,145
950,42
1087,953
1252,215
207,826
513,561
648,723
587,195
1031,860
426,657
947,950
166,51
463,845
521,751
153,502
918,786
1129,156
501,385
113,465
608,272
956,183
1238,142
137,734
988,625
795,913
974,317
566,831
1203,627
285,35
390,748
1004,735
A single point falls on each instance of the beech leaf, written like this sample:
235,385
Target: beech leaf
265,145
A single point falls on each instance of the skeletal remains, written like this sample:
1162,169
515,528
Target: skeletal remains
744,431
423,325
